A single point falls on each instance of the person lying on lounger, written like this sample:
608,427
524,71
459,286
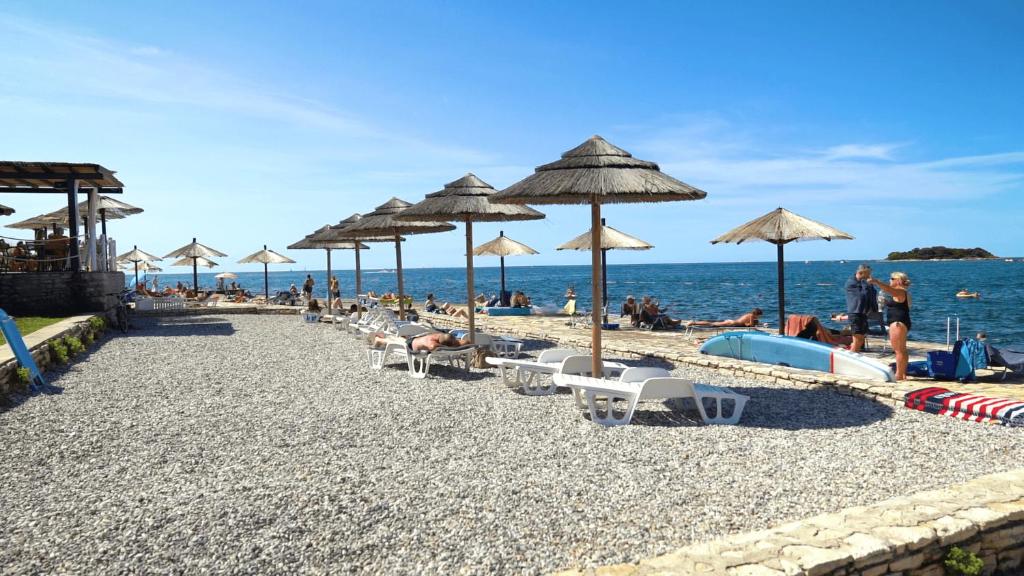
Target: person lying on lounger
453,311
748,320
654,316
424,343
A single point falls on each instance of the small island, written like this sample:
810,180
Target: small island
941,253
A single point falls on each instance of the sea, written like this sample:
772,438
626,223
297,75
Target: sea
716,290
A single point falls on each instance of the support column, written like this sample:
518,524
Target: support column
90,228
782,290
330,296
359,284
73,253
401,285
597,370
471,306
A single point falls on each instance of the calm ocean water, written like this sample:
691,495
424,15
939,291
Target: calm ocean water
713,291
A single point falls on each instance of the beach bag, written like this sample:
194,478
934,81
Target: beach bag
481,356
942,365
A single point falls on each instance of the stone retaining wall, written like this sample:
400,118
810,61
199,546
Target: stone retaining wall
9,383
908,536
58,293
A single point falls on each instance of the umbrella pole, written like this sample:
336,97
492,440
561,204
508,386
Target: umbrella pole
398,269
136,275
471,312
266,283
195,276
604,286
501,297
329,295
595,288
782,292
359,285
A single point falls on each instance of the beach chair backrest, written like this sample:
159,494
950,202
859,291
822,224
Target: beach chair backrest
579,364
555,355
639,374
413,330
668,387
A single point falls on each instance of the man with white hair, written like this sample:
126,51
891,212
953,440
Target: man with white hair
861,301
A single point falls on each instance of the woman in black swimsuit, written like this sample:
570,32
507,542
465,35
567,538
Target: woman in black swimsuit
897,312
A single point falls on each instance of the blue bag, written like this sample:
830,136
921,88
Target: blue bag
942,365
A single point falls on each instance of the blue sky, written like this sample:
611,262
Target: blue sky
245,124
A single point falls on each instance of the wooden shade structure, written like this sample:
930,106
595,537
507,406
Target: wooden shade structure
63,178
780,227
6,210
195,251
356,246
137,256
382,222
321,240
611,239
596,173
503,246
266,257
465,200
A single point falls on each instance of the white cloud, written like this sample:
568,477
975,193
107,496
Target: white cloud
875,151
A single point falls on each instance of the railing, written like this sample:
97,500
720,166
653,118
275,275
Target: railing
50,255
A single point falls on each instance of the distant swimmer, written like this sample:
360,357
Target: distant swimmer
963,293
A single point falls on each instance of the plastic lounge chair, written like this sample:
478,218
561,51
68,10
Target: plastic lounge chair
456,356
527,374
397,345
506,347
310,317
654,385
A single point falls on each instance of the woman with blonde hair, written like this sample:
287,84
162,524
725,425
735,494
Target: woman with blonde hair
897,314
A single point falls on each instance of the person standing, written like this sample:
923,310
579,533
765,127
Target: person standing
897,314
334,287
861,302
307,288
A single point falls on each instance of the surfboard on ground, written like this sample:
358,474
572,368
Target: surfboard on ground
796,353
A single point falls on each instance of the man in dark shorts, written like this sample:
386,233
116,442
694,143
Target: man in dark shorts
861,301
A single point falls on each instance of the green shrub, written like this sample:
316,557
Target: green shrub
59,351
88,338
959,562
24,375
97,323
74,345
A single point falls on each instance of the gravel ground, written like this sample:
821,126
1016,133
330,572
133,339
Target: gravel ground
257,444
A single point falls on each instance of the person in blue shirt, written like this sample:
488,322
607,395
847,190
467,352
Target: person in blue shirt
861,302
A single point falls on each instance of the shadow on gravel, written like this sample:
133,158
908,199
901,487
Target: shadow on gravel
775,408
181,326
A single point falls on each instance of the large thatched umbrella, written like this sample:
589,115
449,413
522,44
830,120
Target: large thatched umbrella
597,173
611,239
266,257
780,227
382,222
6,210
195,250
503,246
355,246
135,255
196,261
321,240
465,200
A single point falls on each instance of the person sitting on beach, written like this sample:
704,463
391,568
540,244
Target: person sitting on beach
748,320
494,300
293,294
632,310
655,317
450,310
520,300
314,306
481,299
430,305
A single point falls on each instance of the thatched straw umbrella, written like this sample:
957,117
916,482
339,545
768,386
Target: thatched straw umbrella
321,239
780,227
611,239
465,200
135,255
597,173
6,210
195,251
382,222
266,257
503,246
356,247
195,261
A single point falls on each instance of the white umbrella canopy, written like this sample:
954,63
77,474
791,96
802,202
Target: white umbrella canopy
196,251
595,173
197,261
780,227
611,239
108,209
465,200
227,276
266,257
503,246
137,256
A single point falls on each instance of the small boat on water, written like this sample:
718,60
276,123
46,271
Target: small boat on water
965,294
1008,260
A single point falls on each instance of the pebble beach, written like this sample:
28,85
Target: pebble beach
259,444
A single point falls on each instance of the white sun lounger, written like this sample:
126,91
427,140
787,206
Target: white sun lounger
397,345
310,317
638,384
527,374
458,357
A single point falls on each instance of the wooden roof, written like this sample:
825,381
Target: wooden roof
52,177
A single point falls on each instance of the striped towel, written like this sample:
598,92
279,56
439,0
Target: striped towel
966,406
